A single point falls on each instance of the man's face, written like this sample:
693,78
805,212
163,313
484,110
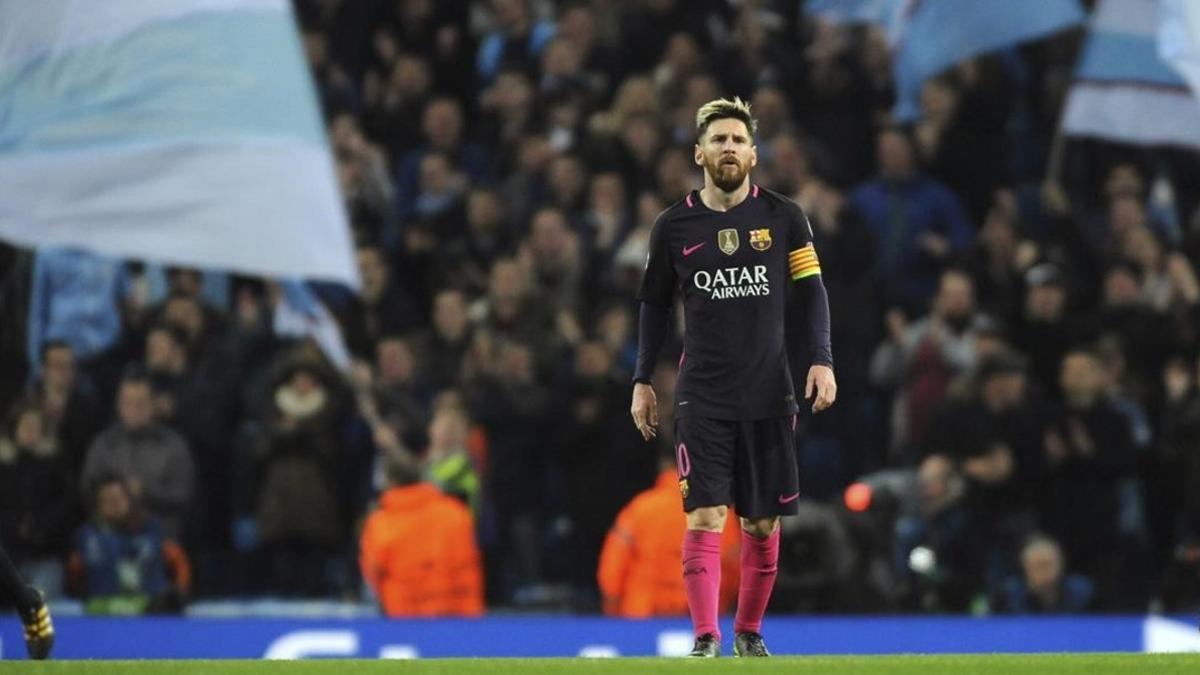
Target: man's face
160,350
956,297
58,367
373,271
135,405
1045,301
895,156
442,124
394,361
112,503
448,430
727,153
1004,390
1043,568
450,315
1081,379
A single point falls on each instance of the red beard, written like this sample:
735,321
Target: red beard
728,177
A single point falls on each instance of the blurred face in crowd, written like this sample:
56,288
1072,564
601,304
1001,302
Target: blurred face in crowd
614,327
895,155
506,283
28,433
933,479
636,96
450,315
955,297
1043,566
938,100
682,55
186,313
436,174
567,178
641,137
607,193
549,237
592,360
1045,302
374,272
512,93
394,361
113,502
510,15
560,58
516,362
58,367
1082,379
1121,288
484,211
998,234
1127,214
727,153
1003,391
410,77
1124,181
442,124
135,405
164,353
448,429
771,110
577,25
185,280
674,179
1144,248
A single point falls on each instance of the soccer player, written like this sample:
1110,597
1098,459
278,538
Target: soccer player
735,251
35,617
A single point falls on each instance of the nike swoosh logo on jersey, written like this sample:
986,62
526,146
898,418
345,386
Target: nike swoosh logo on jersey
785,500
688,250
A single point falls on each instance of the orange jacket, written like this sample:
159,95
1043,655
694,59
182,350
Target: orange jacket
419,554
640,570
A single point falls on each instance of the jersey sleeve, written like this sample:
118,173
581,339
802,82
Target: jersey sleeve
802,255
659,279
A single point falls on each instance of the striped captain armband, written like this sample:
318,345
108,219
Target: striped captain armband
803,262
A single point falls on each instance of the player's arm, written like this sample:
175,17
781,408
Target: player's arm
656,294
805,270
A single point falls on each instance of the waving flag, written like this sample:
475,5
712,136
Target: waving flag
1124,91
175,131
853,11
1179,40
936,34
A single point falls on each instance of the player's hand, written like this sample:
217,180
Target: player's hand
820,382
645,410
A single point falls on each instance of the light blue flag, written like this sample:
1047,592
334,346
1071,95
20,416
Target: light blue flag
174,131
1124,89
936,34
853,11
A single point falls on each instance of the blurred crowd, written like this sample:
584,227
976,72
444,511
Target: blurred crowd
1015,332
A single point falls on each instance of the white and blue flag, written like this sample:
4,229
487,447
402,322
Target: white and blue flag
1124,90
174,131
932,35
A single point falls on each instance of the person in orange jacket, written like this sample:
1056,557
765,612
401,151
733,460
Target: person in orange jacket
418,551
639,571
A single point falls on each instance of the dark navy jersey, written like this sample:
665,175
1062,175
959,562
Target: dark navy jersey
733,269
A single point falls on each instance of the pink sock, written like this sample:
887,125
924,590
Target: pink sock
702,578
760,565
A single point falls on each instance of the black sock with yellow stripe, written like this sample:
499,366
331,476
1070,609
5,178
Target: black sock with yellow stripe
23,596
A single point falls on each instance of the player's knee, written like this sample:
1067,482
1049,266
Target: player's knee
759,527
709,518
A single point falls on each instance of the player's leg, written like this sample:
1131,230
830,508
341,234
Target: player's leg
39,631
766,487
704,458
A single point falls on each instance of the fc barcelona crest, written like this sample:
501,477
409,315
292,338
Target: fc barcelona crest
760,240
727,240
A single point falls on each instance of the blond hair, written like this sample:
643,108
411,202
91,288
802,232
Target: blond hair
723,108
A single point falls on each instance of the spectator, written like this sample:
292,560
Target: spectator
442,576
1044,330
38,500
154,458
1087,449
921,358
448,463
931,554
1044,587
383,308
441,348
442,126
516,41
635,570
70,405
124,561
919,225
298,514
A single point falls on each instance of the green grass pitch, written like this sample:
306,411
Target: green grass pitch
999,664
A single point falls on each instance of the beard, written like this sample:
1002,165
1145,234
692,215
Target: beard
728,177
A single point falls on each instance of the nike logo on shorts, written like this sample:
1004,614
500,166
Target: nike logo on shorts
688,250
786,500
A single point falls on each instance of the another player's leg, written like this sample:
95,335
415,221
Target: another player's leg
760,566
704,456
35,616
766,486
